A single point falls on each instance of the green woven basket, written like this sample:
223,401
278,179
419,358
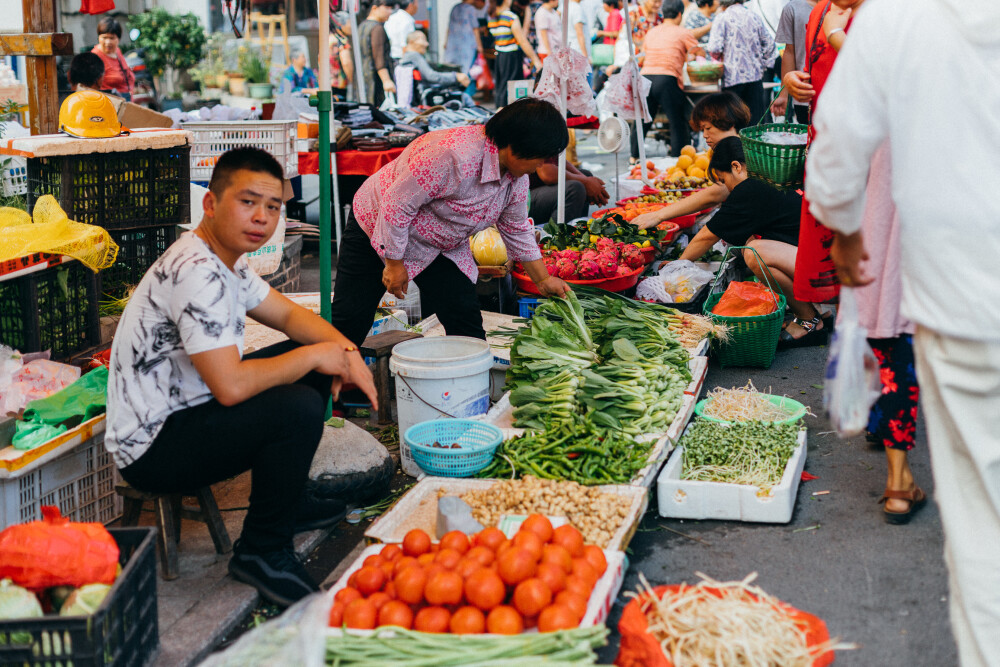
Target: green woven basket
753,340
780,165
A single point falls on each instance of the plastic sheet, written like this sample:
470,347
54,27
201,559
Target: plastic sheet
34,380
572,67
852,372
619,98
86,398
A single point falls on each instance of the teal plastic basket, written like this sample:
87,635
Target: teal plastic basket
478,442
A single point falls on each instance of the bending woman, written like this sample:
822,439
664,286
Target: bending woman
757,215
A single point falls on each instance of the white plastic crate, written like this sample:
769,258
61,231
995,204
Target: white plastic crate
212,139
691,499
81,483
14,179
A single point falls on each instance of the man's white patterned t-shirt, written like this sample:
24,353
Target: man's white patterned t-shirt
188,302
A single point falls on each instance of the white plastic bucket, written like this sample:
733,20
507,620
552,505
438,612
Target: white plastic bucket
439,377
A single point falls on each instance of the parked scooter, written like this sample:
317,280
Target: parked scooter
144,93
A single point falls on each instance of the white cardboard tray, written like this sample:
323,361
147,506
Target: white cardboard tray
412,512
689,499
699,368
601,599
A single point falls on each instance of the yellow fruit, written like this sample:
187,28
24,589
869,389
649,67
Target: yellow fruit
702,163
646,244
684,161
594,238
696,172
689,151
677,175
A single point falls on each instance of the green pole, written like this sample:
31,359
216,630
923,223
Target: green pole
323,101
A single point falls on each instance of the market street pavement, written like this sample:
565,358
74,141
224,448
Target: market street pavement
879,586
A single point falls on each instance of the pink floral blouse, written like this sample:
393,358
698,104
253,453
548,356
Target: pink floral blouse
445,187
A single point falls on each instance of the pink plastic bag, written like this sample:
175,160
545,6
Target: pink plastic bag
36,379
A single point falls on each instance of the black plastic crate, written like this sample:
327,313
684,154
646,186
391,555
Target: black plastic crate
53,309
124,631
137,250
126,190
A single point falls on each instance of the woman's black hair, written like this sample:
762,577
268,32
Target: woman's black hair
671,9
723,110
704,3
725,153
616,4
86,69
109,26
532,128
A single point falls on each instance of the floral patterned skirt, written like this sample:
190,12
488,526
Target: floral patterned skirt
893,419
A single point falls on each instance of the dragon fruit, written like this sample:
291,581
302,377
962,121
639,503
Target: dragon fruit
565,269
569,254
550,266
624,270
606,256
632,256
604,243
589,254
609,268
588,269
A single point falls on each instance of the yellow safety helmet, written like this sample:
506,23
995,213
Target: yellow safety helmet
90,115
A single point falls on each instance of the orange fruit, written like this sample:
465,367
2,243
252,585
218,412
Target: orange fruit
569,538
336,618
531,596
530,542
347,595
556,617
432,619
360,615
456,540
491,538
553,576
540,525
444,588
448,558
689,151
578,586
515,565
574,602
402,563
467,621
504,620
695,172
557,555
410,584
684,161
583,570
416,542
370,579
391,552
702,162
483,555
485,589
596,558
395,612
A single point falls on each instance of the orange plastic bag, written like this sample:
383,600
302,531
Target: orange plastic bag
57,552
638,648
746,299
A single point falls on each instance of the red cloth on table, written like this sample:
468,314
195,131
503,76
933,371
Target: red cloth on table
815,278
351,163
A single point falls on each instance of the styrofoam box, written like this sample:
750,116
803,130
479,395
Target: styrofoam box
393,525
601,599
689,499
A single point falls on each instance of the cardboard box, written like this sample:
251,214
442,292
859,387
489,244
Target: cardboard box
133,116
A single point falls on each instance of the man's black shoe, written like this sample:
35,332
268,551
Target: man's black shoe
314,513
277,575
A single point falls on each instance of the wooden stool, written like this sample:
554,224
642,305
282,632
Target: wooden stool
169,512
266,43
380,346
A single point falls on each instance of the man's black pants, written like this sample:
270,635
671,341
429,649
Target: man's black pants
444,290
545,199
667,95
273,434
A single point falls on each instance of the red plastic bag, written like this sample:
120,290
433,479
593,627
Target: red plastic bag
96,6
638,648
485,80
746,299
57,552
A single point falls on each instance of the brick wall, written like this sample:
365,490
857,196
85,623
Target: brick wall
286,278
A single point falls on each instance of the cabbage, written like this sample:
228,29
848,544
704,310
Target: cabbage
488,248
17,602
85,600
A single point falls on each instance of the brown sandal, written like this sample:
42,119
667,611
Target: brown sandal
917,499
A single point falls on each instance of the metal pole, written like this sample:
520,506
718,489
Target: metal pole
324,104
359,78
561,183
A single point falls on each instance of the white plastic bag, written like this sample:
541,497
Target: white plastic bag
677,282
23,381
853,381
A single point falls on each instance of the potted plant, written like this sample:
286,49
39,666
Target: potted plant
255,72
210,72
171,43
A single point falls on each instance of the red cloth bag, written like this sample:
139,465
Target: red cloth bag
638,648
57,552
96,6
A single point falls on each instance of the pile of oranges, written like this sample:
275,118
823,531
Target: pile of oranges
542,578
690,163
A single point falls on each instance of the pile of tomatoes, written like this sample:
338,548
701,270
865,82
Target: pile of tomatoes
542,578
